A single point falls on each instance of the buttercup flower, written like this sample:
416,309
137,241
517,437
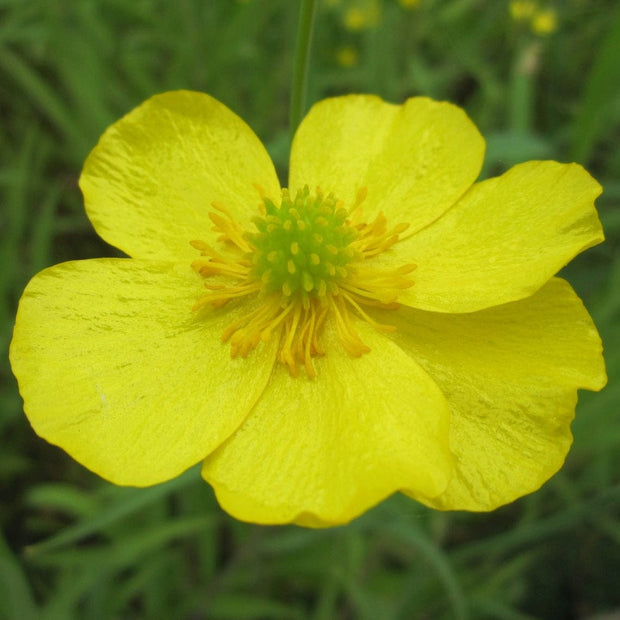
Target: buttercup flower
409,4
384,324
362,15
347,56
522,10
545,22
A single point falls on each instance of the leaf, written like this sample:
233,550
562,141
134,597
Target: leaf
16,599
601,98
128,501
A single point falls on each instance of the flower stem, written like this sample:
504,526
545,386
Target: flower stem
302,61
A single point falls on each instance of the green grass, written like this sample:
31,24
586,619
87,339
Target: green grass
74,546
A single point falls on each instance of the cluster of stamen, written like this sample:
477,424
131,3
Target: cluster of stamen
307,260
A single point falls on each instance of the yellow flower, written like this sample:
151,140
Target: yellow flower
409,4
522,10
545,22
386,324
347,56
362,15
542,21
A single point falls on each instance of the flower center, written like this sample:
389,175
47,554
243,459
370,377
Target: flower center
308,260
303,246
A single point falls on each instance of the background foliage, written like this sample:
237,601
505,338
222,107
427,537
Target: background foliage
540,80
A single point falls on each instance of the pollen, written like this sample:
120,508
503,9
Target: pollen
306,260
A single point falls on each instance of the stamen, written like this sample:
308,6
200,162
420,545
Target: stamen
378,326
217,297
231,230
348,336
382,286
308,260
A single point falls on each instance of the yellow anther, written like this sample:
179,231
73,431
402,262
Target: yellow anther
201,246
299,281
260,189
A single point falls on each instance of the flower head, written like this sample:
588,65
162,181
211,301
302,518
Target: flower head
522,10
347,56
361,15
545,22
383,324
409,4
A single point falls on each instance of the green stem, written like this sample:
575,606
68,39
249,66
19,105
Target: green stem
302,62
522,85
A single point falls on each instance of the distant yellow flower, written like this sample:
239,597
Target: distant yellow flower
361,15
347,56
542,21
384,324
522,10
545,22
409,4
354,19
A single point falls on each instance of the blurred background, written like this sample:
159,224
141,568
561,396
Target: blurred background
541,79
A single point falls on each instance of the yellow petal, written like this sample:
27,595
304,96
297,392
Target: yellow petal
510,374
115,368
504,239
320,452
415,159
149,183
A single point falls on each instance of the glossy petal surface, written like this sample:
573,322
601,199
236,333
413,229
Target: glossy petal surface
320,452
149,183
510,374
116,369
503,240
415,159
